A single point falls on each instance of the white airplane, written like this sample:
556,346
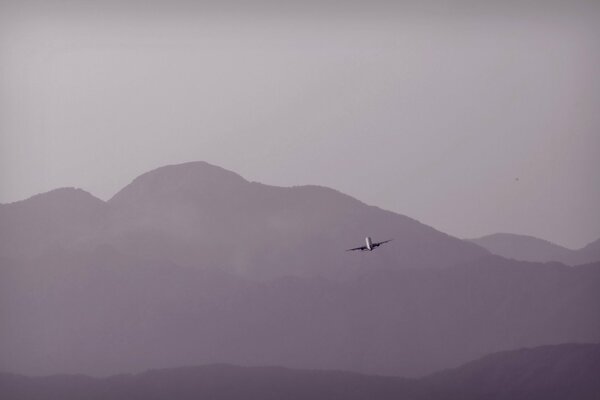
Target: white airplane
370,245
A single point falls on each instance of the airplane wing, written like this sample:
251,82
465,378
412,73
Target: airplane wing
380,243
358,248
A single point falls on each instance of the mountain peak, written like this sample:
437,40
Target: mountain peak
177,179
64,197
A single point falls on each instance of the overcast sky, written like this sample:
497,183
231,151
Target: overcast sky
471,119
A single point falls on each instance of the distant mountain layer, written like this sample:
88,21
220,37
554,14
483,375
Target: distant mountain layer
105,313
529,248
199,215
568,371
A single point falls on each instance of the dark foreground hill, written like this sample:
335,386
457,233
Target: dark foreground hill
568,371
529,248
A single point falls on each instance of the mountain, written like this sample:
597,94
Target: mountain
586,254
192,264
199,215
552,372
529,248
107,313
566,371
59,219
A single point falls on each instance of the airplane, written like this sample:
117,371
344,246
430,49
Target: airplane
370,245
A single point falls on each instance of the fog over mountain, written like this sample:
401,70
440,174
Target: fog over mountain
529,248
192,264
551,372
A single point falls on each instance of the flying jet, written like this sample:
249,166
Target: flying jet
370,246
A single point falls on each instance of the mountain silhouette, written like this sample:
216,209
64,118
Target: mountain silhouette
199,215
105,313
61,218
192,264
567,371
529,248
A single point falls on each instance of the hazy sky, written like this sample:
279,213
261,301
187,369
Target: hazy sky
430,109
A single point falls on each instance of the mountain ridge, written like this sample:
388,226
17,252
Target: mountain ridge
546,372
531,248
197,213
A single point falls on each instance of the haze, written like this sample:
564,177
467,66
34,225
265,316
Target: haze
472,120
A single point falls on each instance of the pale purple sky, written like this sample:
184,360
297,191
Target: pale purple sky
428,109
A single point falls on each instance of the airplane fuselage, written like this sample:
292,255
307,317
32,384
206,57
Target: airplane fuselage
369,245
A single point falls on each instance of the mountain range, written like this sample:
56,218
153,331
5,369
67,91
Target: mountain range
529,248
199,215
560,372
192,264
